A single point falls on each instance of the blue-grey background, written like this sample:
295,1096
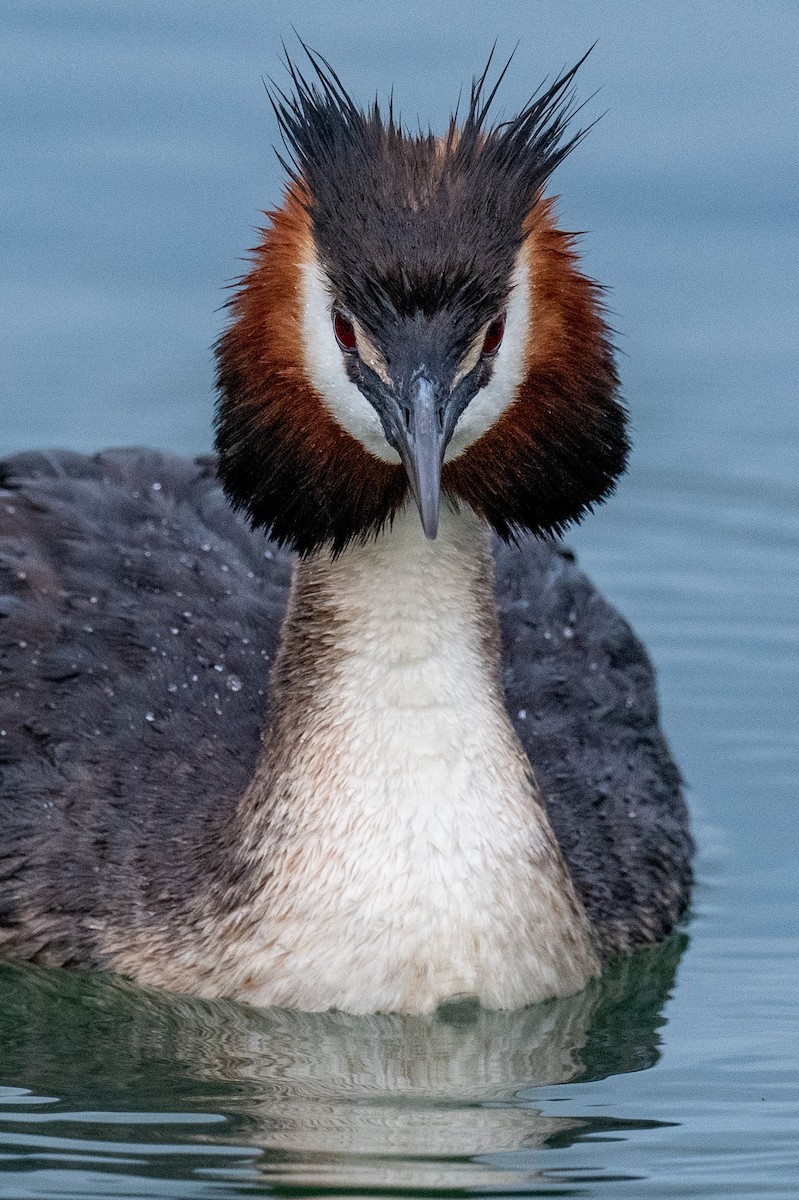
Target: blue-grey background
136,155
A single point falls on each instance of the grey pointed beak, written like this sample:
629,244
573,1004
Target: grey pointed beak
421,442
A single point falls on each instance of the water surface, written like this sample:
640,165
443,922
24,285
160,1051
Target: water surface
136,156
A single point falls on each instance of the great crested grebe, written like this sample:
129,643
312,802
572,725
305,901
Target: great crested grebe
413,323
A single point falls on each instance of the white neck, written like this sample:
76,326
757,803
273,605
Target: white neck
409,858
393,846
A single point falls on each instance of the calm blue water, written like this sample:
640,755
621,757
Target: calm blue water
136,154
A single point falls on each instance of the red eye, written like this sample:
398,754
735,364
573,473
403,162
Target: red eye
345,332
494,336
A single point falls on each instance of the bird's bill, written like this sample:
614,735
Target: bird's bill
420,442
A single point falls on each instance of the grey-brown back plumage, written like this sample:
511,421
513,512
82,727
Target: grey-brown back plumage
139,617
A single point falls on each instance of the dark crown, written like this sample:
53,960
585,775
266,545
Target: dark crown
409,224
417,235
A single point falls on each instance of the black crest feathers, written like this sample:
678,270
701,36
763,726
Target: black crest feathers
419,237
412,222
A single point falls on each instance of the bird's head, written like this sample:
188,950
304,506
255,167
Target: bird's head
414,322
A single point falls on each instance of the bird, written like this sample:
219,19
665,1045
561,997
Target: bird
331,718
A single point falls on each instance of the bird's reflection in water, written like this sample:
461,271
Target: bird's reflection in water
331,1100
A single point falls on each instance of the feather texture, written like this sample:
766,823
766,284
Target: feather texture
139,619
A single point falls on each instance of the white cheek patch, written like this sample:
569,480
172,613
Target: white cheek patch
324,362
510,367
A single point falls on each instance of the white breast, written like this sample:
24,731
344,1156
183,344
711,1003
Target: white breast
422,866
